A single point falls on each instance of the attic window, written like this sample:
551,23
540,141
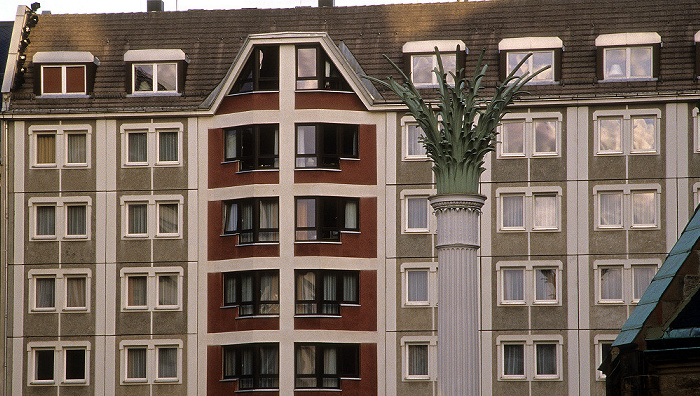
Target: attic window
546,51
628,56
315,70
64,72
261,71
155,71
420,60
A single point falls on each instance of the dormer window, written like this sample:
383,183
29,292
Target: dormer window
421,60
155,71
64,72
315,70
546,51
628,56
261,71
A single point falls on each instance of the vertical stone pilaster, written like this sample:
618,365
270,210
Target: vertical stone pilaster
459,357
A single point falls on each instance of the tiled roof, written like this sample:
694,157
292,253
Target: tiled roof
211,39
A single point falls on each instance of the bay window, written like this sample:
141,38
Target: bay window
322,292
254,146
324,218
321,366
255,366
253,292
323,145
255,220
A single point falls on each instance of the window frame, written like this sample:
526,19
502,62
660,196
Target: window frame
322,159
598,342
319,226
319,375
431,343
324,65
60,205
431,268
433,78
319,284
151,367
257,301
64,79
256,228
152,203
257,156
60,133
529,269
152,131
152,275
431,224
407,206
535,81
627,269
626,74
529,121
406,124
626,117
627,42
627,208
529,343
528,206
525,45
60,277
59,349
254,72
256,376
154,79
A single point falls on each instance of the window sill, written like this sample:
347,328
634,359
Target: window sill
44,166
548,82
316,316
257,317
63,95
416,231
318,169
81,382
166,381
134,381
168,236
513,304
512,378
319,242
418,378
44,310
317,390
76,238
629,79
417,158
417,305
152,93
42,383
610,302
254,170
511,156
253,92
547,378
76,310
168,308
258,244
322,90
167,164
546,229
255,390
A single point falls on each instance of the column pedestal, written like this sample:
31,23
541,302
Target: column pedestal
459,353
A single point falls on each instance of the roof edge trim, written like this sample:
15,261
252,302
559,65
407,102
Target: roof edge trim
526,43
65,57
155,55
608,40
413,47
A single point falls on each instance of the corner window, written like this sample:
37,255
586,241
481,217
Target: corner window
546,51
321,366
623,281
627,207
530,135
255,366
324,218
323,145
152,144
529,209
254,220
323,292
254,146
315,70
260,72
627,131
254,292
529,282
628,56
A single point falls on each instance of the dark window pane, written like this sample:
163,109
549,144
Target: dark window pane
143,78
349,142
44,364
167,76
75,364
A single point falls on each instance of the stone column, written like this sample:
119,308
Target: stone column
459,354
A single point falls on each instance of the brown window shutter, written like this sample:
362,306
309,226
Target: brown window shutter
558,52
600,75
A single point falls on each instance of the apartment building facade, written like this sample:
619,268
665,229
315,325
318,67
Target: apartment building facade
227,205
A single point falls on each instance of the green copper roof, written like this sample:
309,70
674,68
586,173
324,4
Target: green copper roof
659,284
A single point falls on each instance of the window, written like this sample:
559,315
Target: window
323,145
529,209
64,289
529,135
417,286
602,344
63,79
534,357
417,360
76,292
255,220
254,292
75,365
76,221
422,66
64,362
255,366
60,146
45,220
321,366
64,72
64,218
623,281
417,214
529,282
324,218
546,51
45,293
149,216
322,292
628,56
260,72
627,207
151,361
154,77
414,149
156,71
150,144
254,146
315,70
627,131
151,288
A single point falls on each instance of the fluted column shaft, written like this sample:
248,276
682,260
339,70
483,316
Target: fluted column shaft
459,356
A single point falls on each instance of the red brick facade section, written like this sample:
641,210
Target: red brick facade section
222,320
357,318
225,247
249,101
361,245
225,174
328,100
366,386
362,171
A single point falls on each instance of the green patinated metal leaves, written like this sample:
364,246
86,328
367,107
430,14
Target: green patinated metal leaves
462,128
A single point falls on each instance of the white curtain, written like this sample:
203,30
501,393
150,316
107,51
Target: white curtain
46,220
330,294
417,213
167,147
413,141
330,368
46,148
513,211
138,218
513,285
306,146
75,292
229,290
546,359
167,362
610,208
167,290
138,148
168,218
231,217
417,359
351,218
306,366
137,291
229,362
513,359
269,367
75,220
350,288
306,293
418,286
76,148
269,291
545,285
611,283
545,211
306,217
136,363
642,278
644,208
269,219
45,292
230,145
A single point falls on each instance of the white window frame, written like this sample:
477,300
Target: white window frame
626,41
407,122
151,347
529,147
60,214
427,48
431,223
152,275
63,80
627,132
529,282
434,82
59,376
696,131
431,268
60,131
627,215
627,266
152,130
533,45
627,72
152,212
60,288
528,194
530,65
431,342
155,65
529,356
598,341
